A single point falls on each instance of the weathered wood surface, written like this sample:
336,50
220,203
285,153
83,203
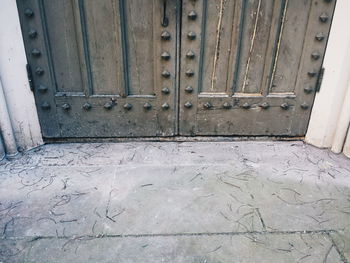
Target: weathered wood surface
103,63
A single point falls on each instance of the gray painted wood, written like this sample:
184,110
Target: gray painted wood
253,54
100,54
246,55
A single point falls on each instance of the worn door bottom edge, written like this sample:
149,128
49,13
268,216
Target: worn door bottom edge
176,139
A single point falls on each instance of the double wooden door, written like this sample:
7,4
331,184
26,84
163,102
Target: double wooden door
128,68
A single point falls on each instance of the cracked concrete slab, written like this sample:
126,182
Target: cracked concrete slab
202,248
159,192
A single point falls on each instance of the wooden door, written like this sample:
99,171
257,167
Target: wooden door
129,68
250,67
103,68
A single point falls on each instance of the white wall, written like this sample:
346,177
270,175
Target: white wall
19,98
330,100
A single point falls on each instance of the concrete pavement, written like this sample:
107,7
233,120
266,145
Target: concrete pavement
176,202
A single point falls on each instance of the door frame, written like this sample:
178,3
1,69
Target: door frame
23,112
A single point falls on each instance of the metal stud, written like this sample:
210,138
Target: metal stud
308,89
188,105
45,105
165,90
264,105
36,53
147,106
191,35
127,106
165,106
28,12
312,74
87,106
66,107
207,105
166,74
165,35
32,33
324,17
189,73
190,54
108,105
39,71
304,106
227,106
315,55
319,36
42,89
189,89
192,15
285,106
165,56
246,106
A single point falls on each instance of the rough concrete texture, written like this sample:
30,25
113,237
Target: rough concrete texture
176,202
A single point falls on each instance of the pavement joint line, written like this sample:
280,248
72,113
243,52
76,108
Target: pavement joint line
128,164
100,236
341,254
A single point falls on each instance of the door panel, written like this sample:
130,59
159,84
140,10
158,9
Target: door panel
102,64
255,66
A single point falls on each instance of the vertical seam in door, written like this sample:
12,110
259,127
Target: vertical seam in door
251,47
239,46
47,44
202,45
278,44
178,45
86,45
124,46
217,45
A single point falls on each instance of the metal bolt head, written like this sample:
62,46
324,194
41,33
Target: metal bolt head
165,106
246,106
165,90
190,54
147,106
127,106
315,55
36,52
165,56
320,36
324,17
312,74
308,89
165,35
188,105
304,106
284,106
192,15
189,89
42,89
32,33
66,107
108,105
87,106
191,35
189,73
28,12
166,74
39,71
45,105
207,105
264,105
227,106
